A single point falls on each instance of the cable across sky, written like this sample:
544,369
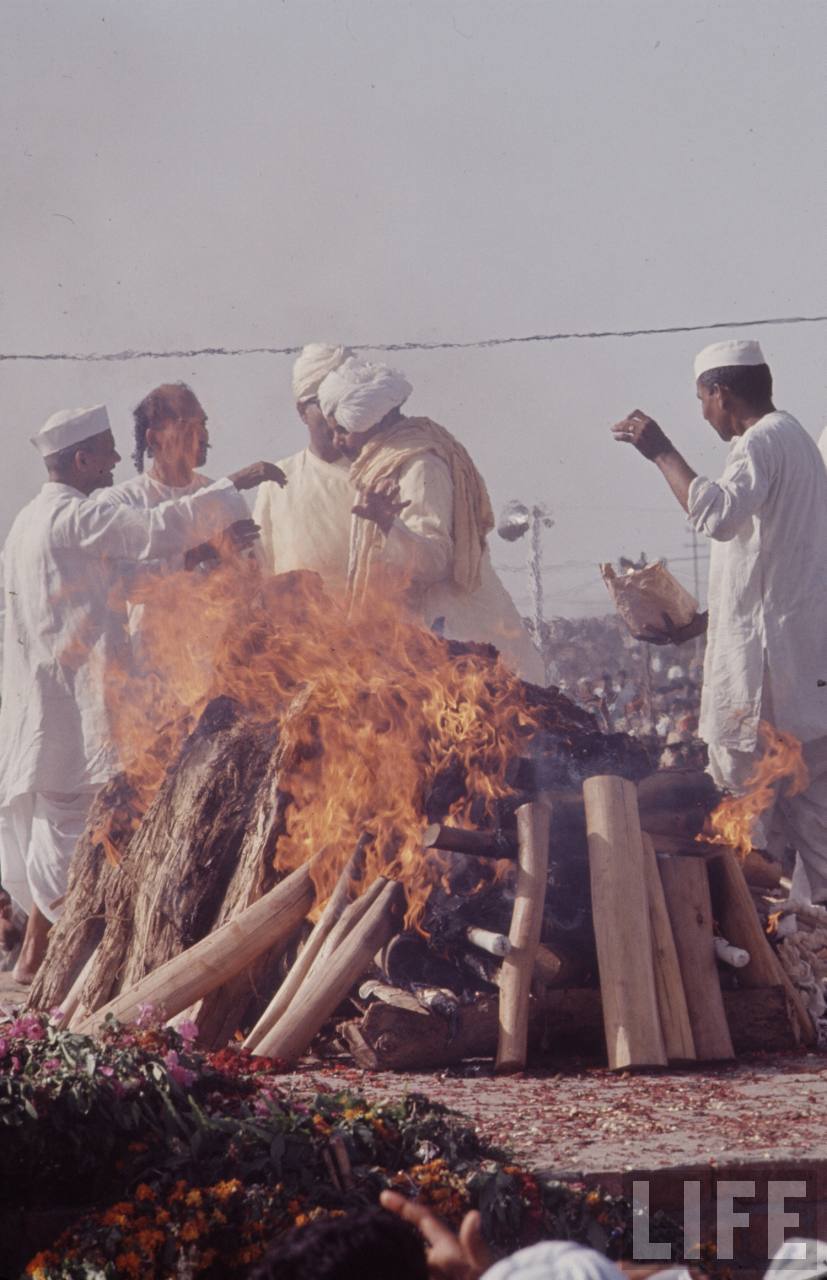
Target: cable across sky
390,347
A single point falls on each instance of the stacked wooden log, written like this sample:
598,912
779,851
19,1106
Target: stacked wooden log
585,920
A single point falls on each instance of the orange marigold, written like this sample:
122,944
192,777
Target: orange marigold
223,1190
144,1192
129,1263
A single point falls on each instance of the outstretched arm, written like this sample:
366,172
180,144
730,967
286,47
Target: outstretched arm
650,440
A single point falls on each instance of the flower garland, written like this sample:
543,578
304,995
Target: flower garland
198,1159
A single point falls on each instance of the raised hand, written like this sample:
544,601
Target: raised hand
644,433
381,505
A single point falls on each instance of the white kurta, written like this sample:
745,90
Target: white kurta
306,524
767,520
61,561
420,546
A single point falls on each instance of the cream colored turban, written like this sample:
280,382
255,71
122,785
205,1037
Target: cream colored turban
359,394
314,363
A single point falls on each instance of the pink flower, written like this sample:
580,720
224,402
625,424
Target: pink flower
4,1047
28,1027
51,1064
146,1015
181,1075
107,1071
188,1030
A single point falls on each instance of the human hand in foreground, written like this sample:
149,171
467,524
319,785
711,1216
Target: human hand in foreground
234,540
644,433
257,473
450,1257
381,505
672,634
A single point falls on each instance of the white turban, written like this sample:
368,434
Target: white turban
724,355
359,394
555,1260
313,365
68,427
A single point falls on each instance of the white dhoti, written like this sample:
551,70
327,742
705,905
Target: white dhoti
799,822
38,835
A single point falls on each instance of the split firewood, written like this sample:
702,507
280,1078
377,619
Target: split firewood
218,957
533,823
736,914
623,933
327,985
686,889
674,1015
334,907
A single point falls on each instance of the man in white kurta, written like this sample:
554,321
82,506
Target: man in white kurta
305,524
766,655
423,513
62,559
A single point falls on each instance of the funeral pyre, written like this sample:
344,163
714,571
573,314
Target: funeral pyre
324,820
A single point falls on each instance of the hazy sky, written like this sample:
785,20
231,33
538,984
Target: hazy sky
243,173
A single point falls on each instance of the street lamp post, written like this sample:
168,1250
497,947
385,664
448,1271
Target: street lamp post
516,521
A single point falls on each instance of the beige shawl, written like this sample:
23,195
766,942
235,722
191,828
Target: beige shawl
383,459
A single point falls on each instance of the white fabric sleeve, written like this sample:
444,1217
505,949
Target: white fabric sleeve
263,516
420,542
719,508
132,533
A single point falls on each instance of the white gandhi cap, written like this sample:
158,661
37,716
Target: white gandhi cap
723,355
70,426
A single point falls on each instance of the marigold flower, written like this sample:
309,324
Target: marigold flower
223,1190
144,1192
129,1263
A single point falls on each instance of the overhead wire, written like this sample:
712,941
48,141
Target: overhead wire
391,347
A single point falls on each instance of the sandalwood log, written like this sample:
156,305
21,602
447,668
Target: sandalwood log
673,804
620,911
557,967
495,944
402,1038
686,889
674,1015
736,914
327,984
533,823
330,917
218,957
482,844
391,1038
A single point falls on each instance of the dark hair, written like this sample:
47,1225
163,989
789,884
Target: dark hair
749,382
369,1244
159,406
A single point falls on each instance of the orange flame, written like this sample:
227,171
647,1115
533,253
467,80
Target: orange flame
781,762
370,712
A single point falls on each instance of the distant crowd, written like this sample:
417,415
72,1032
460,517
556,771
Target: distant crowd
631,687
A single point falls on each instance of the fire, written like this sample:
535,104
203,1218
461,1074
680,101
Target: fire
372,713
781,762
